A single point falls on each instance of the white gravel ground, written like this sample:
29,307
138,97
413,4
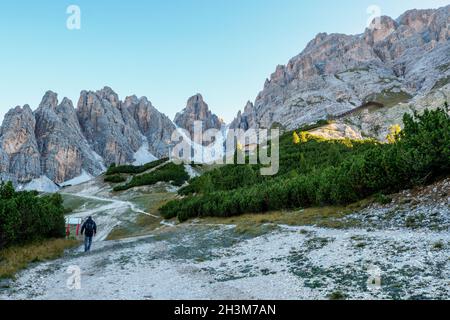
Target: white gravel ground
289,263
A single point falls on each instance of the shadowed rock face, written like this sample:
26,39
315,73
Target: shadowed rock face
64,150
197,110
393,61
110,135
20,152
152,124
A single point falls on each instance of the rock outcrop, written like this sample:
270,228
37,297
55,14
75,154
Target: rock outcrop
4,167
152,124
393,62
247,119
197,110
20,149
110,135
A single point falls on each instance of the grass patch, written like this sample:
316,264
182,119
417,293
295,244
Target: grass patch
360,69
254,230
14,259
382,199
119,233
144,224
441,83
361,245
337,295
438,245
74,203
389,98
324,217
444,67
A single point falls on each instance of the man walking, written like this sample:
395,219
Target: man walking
89,228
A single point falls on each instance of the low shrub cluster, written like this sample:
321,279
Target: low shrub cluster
320,172
26,217
116,178
176,174
129,169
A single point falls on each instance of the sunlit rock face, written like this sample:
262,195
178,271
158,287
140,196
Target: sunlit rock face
20,153
65,152
395,62
197,110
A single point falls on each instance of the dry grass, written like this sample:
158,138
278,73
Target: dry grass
17,258
326,217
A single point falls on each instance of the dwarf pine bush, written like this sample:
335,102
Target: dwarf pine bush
321,172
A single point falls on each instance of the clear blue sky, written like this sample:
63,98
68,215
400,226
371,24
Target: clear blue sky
166,50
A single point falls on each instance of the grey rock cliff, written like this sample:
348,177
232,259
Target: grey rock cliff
4,167
61,142
64,150
20,152
110,135
152,124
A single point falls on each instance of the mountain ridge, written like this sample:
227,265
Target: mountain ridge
336,73
59,142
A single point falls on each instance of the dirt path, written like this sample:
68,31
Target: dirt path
109,213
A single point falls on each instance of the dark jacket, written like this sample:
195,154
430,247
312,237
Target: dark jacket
90,227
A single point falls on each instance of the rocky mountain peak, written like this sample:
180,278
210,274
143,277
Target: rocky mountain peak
381,28
67,102
112,136
130,100
197,98
197,110
50,100
249,106
247,119
109,95
153,125
416,19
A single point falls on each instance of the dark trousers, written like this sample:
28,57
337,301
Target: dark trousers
87,243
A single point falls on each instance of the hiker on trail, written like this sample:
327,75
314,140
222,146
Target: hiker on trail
91,230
